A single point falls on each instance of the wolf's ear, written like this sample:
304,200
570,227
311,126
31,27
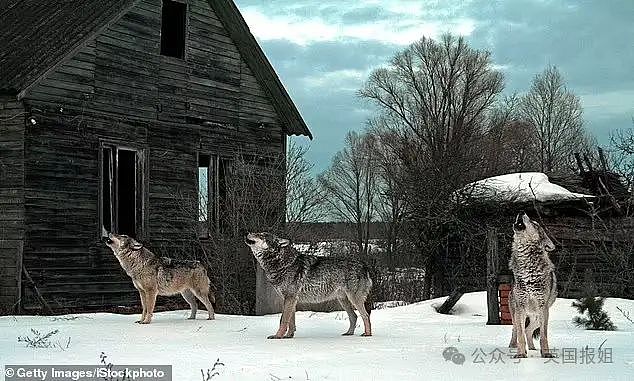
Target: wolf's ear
135,245
548,243
283,242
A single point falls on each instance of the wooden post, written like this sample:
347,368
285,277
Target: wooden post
451,301
492,277
17,308
38,294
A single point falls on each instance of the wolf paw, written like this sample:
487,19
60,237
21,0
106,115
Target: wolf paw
520,356
366,334
144,322
274,337
347,334
548,355
211,318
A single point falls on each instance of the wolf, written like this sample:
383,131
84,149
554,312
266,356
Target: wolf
299,277
534,288
153,275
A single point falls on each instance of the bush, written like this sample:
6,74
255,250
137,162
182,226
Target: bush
597,318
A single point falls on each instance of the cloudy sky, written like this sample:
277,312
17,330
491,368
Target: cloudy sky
323,51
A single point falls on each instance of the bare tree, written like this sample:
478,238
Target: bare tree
440,91
350,187
555,113
304,198
509,142
622,160
391,204
435,96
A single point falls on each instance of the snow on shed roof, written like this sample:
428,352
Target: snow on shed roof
519,187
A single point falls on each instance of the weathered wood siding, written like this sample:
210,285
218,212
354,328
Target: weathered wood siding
118,87
12,122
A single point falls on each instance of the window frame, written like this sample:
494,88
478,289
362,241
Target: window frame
213,224
185,33
141,186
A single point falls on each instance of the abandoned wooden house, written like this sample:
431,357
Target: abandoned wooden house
109,110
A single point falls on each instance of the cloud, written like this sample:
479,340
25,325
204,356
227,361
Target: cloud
343,80
395,22
612,102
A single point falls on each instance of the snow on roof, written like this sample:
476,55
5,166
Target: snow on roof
519,187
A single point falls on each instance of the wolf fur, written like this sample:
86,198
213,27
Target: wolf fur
153,275
535,285
300,277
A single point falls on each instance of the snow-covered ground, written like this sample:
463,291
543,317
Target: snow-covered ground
408,344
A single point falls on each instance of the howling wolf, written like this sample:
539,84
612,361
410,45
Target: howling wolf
153,276
535,286
300,277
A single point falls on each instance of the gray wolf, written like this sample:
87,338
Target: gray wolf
299,277
534,288
153,275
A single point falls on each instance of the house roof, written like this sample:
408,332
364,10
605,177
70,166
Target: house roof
36,35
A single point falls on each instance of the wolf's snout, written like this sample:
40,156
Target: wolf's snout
519,222
249,239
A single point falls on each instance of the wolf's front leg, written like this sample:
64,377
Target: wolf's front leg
143,306
519,320
543,335
287,312
291,326
150,301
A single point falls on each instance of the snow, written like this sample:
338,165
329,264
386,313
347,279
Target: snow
337,246
408,344
519,187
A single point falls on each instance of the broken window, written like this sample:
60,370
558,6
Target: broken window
121,196
204,195
225,167
173,29
213,194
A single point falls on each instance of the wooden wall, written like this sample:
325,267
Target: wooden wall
118,87
12,122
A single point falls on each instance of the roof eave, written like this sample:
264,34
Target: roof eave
251,51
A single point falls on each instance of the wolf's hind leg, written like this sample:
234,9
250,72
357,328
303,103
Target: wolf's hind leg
533,324
352,317
189,297
202,294
358,302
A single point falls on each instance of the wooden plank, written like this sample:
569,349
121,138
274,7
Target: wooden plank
492,277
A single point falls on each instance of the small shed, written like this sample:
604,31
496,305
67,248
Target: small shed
585,216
